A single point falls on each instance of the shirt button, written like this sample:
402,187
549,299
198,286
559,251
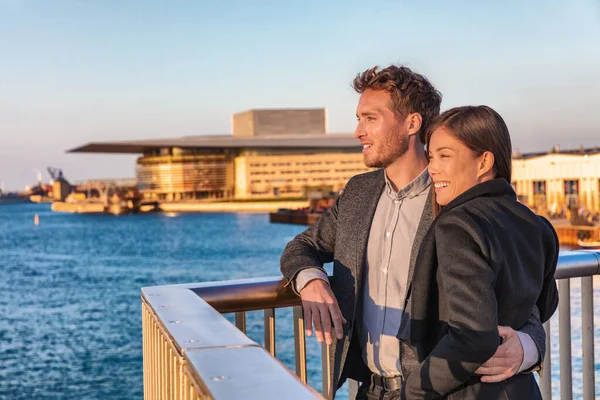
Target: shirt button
388,234
376,344
384,271
396,201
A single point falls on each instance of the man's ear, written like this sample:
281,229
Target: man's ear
413,123
486,164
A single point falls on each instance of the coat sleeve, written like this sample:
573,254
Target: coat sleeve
313,247
548,299
534,328
467,285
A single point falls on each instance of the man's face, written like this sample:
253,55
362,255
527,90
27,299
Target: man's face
384,138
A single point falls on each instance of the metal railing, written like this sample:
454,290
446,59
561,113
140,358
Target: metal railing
573,264
191,351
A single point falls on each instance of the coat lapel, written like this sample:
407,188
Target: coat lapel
368,204
424,224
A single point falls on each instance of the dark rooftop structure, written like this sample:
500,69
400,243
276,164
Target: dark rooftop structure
556,150
288,141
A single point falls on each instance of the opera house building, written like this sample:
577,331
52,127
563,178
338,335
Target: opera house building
276,153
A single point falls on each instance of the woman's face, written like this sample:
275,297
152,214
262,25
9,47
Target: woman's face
454,168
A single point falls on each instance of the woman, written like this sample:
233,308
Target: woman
487,260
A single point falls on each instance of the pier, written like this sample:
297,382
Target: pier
569,234
191,351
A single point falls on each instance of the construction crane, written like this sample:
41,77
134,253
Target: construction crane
55,173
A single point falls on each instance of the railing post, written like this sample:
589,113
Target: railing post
326,371
546,379
240,321
270,331
564,318
300,343
587,315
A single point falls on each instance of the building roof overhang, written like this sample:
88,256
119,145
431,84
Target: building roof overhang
324,141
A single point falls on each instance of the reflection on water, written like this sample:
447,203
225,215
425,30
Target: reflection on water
70,324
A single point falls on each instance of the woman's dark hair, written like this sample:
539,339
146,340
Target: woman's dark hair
481,129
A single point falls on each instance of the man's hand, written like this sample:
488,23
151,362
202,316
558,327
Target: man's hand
506,361
320,308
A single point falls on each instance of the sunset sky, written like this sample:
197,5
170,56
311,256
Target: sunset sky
73,72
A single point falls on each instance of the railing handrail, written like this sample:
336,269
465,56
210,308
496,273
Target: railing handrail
270,292
248,294
577,263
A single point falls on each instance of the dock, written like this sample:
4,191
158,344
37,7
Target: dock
568,235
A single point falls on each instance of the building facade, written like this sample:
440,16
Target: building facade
558,179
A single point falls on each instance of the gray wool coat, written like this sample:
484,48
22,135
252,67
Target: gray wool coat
340,236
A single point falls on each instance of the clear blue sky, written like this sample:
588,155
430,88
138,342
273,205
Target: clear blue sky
73,72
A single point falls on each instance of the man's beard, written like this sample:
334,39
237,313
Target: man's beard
389,152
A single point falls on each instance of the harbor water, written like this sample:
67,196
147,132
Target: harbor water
70,316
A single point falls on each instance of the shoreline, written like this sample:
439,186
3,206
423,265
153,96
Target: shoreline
185,207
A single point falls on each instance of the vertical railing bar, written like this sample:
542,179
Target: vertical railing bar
172,393
181,379
587,311
564,337
158,383
174,375
326,371
147,355
240,320
546,378
163,367
168,368
152,378
156,376
185,385
144,359
300,343
270,331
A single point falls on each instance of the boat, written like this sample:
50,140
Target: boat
588,244
298,217
305,216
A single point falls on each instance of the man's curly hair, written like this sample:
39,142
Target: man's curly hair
411,92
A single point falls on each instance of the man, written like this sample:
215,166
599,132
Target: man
372,234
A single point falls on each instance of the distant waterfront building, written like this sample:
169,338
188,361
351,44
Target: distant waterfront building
274,153
557,179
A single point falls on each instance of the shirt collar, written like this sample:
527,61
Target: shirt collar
414,188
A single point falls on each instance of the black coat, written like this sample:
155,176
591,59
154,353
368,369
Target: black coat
486,260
